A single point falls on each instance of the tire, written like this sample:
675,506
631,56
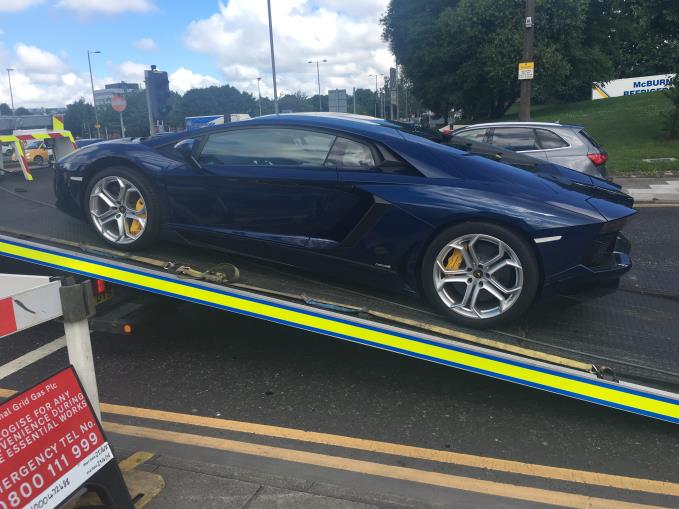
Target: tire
518,274
38,160
137,233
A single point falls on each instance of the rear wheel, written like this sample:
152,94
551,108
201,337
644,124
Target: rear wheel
480,274
123,208
38,160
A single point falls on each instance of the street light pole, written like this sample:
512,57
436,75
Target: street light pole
273,60
259,93
11,96
528,36
94,102
318,77
377,97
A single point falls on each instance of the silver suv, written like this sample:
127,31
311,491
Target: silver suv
568,145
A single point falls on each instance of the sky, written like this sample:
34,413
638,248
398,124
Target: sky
199,43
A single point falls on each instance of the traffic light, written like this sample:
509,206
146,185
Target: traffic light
158,89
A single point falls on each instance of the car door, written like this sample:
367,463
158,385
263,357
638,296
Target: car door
270,184
518,139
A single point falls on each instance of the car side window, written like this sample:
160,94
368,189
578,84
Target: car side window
476,135
267,147
515,138
350,154
550,140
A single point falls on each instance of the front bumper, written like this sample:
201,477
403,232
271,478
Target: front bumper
600,268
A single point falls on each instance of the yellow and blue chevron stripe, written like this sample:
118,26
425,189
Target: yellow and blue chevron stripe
636,399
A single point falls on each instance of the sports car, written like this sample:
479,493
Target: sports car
363,200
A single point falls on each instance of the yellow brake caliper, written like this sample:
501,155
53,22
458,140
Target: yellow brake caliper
454,260
135,226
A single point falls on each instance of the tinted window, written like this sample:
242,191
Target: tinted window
350,154
589,138
549,140
478,135
515,138
267,147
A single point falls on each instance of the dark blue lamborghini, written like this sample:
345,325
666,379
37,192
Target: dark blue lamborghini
363,199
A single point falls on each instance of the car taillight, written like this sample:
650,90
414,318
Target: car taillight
598,159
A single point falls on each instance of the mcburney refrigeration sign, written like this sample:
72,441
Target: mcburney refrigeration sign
50,444
631,86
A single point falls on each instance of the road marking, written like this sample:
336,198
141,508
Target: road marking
31,357
407,451
133,461
524,493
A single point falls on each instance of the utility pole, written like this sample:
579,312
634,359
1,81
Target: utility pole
259,93
11,96
377,97
273,60
525,82
354,96
94,102
318,77
153,128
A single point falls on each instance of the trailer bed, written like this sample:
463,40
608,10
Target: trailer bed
629,335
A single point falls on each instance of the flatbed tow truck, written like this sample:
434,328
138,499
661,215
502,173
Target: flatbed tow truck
619,350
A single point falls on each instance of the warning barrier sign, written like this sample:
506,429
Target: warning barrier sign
50,444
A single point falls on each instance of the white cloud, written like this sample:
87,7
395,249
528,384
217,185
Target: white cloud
184,79
43,79
345,32
132,72
145,44
84,7
18,5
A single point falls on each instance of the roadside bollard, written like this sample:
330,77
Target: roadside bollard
77,303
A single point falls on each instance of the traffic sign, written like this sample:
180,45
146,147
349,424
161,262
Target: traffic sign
118,103
51,443
526,70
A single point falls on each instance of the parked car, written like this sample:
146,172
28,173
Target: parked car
564,144
362,199
37,152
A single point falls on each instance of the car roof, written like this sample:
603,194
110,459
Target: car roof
358,124
522,124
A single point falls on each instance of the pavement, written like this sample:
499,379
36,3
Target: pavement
651,190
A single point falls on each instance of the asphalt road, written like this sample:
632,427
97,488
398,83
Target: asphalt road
204,362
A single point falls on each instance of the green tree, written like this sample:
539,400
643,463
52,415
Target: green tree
647,33
5,110
222,100
79,118
21,111
365,102
464,53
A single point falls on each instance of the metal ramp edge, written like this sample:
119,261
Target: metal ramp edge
507,366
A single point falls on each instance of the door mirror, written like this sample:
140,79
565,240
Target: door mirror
188,149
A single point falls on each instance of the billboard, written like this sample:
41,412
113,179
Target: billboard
630,86
337,100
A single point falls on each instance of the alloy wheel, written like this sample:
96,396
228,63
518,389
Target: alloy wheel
118,210
478,276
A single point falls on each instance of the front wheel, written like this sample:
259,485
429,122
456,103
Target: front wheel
123,208
480,274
